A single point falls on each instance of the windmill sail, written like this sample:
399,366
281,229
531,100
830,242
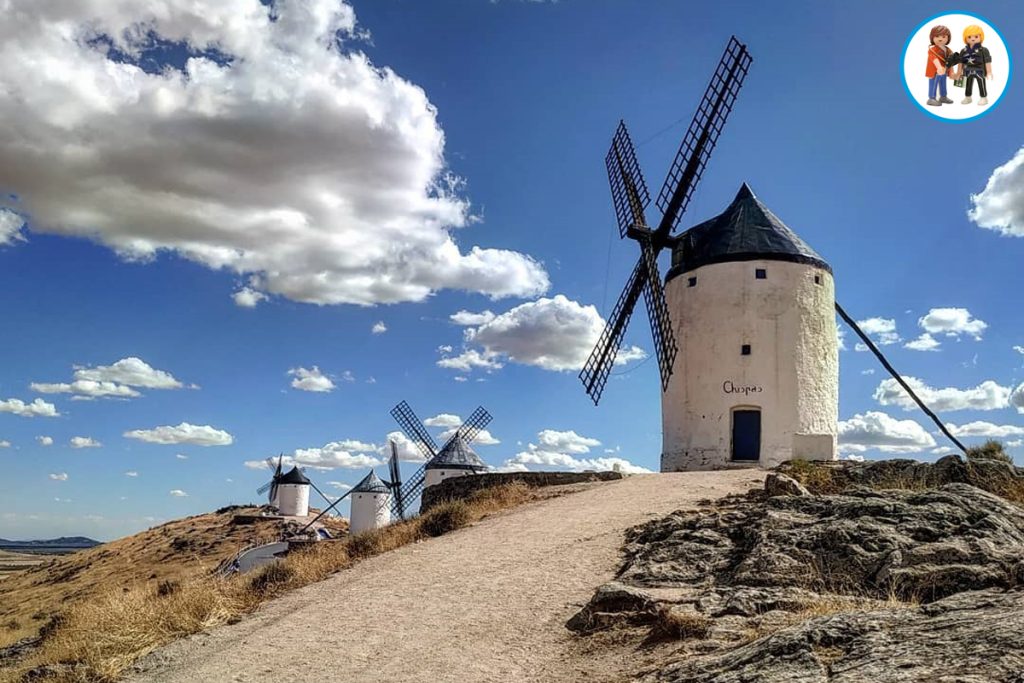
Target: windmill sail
629,197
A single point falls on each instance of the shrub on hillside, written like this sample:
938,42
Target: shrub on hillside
990,450
446,517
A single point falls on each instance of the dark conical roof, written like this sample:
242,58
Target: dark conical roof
371,483
294,476
746,231
456,454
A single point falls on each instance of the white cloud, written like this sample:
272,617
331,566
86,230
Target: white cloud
379,327
348,376
198,435
840,337
1017,398
878,431
483,437
467,318
554,334
334,455
869,371
443,420
10,227
59,476
559,448
925,342
349,202
84,442
986,396
86,389
881,330
469,359
952,322
178,493
311,380
181,456
460,378
1000,206
1019,349
111,381
340,485
45,440
4,443
248,297
131,473
131,371
37,408
988,429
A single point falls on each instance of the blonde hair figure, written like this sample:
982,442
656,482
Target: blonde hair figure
975,64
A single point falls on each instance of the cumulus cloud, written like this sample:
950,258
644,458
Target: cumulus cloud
181,456
111,381
986,429
840,337
198,435
10,227
986,396
467,318
953,322
272,149
925,342
131,473
37,408
1000,206
379,327
881,330
1019,349
248,297
483,437
340,485
443,420
45,440
878,431
1017,398
553,334
84,442
560,448
330,456
311,380
59,476
178,493
4,443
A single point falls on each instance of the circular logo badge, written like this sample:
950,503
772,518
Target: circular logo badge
956,66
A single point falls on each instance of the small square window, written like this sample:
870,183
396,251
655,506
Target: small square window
745,350
761,274
692,282
817,279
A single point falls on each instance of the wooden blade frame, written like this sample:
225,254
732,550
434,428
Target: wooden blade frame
630,200
414,429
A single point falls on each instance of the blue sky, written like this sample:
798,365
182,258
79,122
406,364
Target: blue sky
155,205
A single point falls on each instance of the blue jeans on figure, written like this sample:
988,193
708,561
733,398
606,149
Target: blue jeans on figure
937,82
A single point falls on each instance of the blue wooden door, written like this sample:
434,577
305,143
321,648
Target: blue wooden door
746,435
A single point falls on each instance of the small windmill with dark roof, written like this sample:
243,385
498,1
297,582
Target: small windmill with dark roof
371,504
744,324
454,459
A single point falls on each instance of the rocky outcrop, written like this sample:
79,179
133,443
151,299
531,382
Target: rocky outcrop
865,585
972,637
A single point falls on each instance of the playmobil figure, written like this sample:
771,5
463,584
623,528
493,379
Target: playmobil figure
975,64
937,68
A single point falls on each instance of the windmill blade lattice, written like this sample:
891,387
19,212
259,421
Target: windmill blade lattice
414,429
629,191
702,135
472,427
630,199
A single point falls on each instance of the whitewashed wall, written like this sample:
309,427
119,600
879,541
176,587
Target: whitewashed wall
369,511
791,375
293,499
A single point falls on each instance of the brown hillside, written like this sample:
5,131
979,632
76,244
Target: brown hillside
174,551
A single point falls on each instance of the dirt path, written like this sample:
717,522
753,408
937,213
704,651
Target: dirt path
486,603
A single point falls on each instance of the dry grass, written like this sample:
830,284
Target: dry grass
96,640
677,624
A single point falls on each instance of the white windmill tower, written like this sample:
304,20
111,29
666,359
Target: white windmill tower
371,504
289,492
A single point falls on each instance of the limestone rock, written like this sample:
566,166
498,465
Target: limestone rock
972,637
778,484
613,601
